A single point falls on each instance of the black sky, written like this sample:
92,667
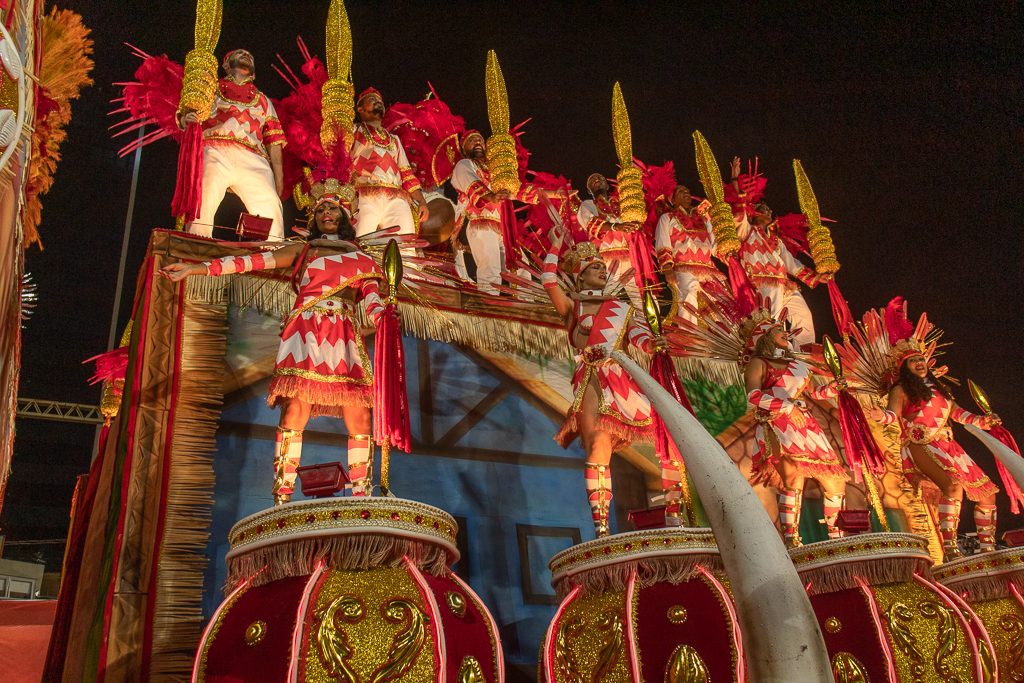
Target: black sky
907,117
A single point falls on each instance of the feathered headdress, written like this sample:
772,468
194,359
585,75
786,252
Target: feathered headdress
882,341
751,190
720,327
430,134
317,175
659,183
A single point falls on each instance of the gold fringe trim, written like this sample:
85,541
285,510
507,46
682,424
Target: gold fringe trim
615,577
502,333
323,398
177,617
874,571
359,552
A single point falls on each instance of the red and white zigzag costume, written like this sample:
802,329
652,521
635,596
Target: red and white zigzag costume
770,265
926,430
778,436
236,139
600,218
472,179
322,359
684,245
625,411
383,179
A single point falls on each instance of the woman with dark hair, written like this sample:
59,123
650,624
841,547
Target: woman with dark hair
924,405
322,366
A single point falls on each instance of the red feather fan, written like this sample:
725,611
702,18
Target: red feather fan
430,134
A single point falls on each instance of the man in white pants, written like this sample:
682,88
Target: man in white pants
242,142
684,245
387,191
472,178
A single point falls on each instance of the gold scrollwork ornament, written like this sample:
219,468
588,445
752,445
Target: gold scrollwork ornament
407,644
686,666
611,647
331,641
899,617
470,671
847,669
568,669
947,636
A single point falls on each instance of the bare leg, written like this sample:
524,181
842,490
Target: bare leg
790,499
835,494
949,504
598,447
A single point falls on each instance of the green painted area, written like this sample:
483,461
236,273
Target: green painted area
715,405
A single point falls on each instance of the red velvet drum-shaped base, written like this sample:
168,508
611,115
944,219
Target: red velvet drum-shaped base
643,606
347,589
882,617
993,585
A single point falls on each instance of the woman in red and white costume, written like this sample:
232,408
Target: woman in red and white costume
322,366
923,405
608,408
791,446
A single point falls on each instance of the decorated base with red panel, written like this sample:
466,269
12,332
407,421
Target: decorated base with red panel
882,617
347,589
648,605
993,585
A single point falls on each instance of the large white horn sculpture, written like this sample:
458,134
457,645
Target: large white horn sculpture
1011,461
781,638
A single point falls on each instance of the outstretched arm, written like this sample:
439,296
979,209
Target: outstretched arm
967,418
549,275
264,260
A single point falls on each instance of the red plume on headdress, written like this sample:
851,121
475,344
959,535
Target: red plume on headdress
897,325
429,132
150,100
752,185
659,183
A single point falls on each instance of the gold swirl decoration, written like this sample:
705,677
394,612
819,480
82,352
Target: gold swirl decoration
331,641
470,671
1013,667
407,644
632,208
568,669
686,666
199,83
337,97
847,669
899,617
989,666
819,239
501,147
255,633
610,624
727,243
947,636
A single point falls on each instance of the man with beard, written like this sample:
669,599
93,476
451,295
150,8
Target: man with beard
482,208
599,216
242,142
684,245
387,191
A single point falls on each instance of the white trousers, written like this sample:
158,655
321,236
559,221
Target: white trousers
489,256
797,312
687,288
248,175
379,211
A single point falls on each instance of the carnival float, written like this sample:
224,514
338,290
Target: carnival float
332,448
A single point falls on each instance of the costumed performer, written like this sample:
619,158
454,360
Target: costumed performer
387,191
482,207
322,366
684,245
608,408
764,256
791,446
242,142
922,404
599,217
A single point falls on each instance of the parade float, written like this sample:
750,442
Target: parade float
190,556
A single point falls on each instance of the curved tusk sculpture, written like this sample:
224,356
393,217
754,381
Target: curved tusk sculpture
782,641
1011,461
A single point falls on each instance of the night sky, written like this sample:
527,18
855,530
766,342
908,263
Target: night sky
906,118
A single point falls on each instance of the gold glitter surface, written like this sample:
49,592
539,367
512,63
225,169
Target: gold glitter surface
383,634
622,134
8,92
926,639
722,226
497,96
208,20
339,41
819,240
596,644
1004,621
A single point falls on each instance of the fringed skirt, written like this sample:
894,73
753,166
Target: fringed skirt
625,412
806,446
322,361
952,458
